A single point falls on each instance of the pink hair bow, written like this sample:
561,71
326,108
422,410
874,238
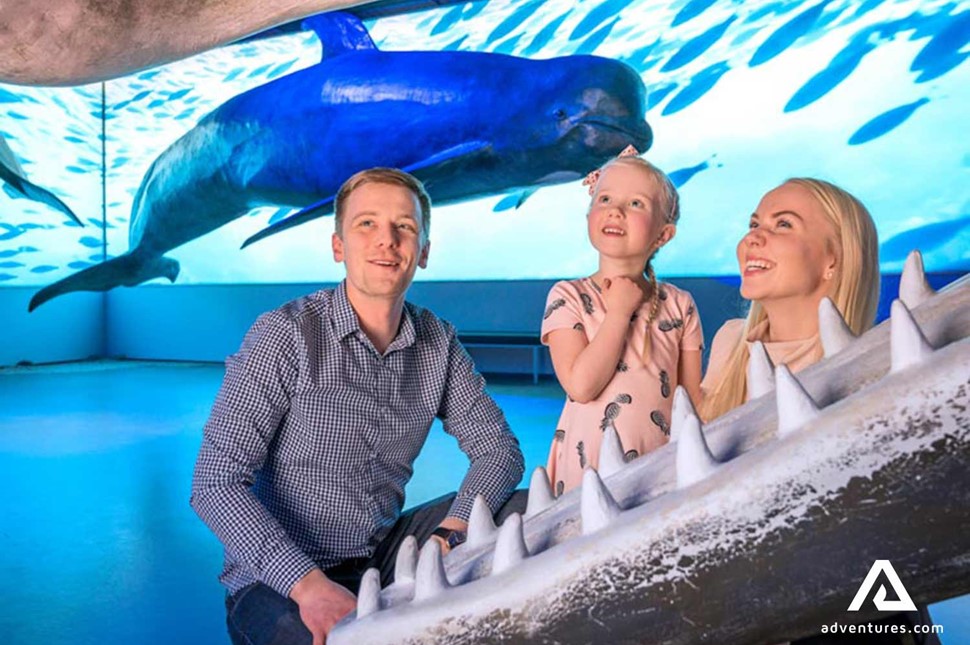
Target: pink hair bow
594,176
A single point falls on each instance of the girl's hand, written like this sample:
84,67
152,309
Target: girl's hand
622,296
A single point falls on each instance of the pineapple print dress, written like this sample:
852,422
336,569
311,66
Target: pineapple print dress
638,400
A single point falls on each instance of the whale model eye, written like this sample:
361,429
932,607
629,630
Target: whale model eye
559,114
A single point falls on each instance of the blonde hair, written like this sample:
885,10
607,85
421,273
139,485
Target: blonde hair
855,287
391,176
669,198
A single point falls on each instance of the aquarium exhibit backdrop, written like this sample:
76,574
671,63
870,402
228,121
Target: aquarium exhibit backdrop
872,95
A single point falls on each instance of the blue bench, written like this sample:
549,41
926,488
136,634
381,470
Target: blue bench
500,340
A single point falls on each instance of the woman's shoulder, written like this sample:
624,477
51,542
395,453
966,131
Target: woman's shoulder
730,332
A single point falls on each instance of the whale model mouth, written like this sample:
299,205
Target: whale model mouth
641,135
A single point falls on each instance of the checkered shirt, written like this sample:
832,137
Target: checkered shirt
314,433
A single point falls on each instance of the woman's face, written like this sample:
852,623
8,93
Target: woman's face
789,250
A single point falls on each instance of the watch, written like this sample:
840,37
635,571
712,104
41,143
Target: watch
452,537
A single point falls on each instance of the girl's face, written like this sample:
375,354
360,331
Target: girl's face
625,219
789,250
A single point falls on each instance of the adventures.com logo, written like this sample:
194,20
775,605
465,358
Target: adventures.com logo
903,602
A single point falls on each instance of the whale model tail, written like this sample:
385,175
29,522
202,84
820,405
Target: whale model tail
125,270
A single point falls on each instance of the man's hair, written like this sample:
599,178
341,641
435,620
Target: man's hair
391,176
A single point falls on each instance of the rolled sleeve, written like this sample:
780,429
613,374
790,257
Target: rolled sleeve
251,404
473,418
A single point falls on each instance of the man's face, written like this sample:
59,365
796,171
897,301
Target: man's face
381,244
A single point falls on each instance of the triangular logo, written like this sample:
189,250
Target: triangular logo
905,603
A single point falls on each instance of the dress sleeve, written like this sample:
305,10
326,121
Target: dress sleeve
693,338
563,310
470,414
251,404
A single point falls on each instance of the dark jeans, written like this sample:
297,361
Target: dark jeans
258,615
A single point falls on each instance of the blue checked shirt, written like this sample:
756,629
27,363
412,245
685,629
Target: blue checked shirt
313,436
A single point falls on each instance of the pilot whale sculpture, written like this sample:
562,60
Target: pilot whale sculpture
466,123
758,528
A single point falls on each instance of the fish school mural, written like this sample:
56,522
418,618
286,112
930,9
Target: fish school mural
196,171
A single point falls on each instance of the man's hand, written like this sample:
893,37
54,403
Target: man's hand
322,603
449,523
622,295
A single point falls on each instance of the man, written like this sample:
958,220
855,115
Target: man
322,412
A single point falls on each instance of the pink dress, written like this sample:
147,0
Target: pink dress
637,401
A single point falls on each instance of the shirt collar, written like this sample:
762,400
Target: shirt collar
345,320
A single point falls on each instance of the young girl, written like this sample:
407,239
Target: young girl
620,341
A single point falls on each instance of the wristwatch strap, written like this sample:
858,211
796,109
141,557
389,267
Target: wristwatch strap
452,537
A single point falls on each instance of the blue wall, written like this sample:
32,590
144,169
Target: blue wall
73,328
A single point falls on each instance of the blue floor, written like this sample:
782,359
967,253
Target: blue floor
98,542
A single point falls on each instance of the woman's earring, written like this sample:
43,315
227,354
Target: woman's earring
829,274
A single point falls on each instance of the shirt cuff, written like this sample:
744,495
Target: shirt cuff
284,567
462,507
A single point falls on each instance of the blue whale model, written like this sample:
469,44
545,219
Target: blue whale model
466,123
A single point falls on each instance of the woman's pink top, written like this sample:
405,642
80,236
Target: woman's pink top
796,354
637,400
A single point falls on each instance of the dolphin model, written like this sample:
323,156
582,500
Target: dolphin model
16,184
466,123
759,528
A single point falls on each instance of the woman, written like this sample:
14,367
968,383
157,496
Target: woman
807,239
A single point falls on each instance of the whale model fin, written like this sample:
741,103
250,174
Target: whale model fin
339,33
456,154
513,201
125,270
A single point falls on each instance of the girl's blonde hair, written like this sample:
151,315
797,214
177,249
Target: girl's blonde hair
855,287
669,198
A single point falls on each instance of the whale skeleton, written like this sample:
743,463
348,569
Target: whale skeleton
759,527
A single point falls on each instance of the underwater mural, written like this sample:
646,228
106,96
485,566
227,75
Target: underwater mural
869,94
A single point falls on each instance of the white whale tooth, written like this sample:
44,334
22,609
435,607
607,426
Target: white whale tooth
597,508
611,453
682,409
832,328
430,579
540,492
407,560
795,406
760,371
913,287
510,547
369,595
695,461
907,344
481,526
